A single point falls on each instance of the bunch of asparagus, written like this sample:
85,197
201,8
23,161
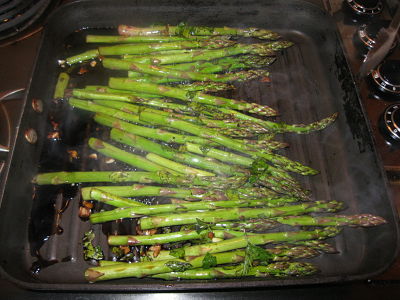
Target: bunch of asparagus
233,206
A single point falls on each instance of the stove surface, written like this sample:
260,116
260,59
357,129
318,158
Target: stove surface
17,61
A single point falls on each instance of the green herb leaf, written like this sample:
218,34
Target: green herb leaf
204,149
201,226
258,253
259,167
90,251
178,252
209,261
254,253
178,266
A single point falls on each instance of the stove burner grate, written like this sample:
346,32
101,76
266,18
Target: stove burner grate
17,16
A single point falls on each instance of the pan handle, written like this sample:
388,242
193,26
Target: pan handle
8,96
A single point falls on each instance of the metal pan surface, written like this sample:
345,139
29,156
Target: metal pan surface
309,81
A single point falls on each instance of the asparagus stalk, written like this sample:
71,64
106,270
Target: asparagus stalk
277,270
105,93
130,212
179,236
167,152
317,245
209,86
218,154
129,84
143,269
362,220
283,127
106,89
234,214
213,135
272,178
267,49
141,48
226,64
283,252
186,193
93,107
160,177
87,55
204,86
109,39
154,133
165,72
253,238
180,168
62,83
187,31
238,159
251,225
126,157
270,201
159,266
101,95
99,195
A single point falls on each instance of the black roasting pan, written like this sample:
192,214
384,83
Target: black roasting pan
309,81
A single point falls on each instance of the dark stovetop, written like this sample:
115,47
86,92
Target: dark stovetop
22,55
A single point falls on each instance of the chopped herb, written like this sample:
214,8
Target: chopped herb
201,225
255,253
178,252
90,251
209,261
178,266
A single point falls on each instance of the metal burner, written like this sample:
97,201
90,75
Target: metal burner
386,77
366,7
390,124
21,18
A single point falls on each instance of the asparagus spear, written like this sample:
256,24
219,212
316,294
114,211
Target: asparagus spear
277,270
100,95
105,93
165,72
160,177
186,193
267,49
241,160
167,152
62,83
283,127
213,135
129,84
255,225
317,245
106,89
362,220
185,30
173,165
93,107
171,263
90,54
128,211
142,269
91,38
251,225
253,238
99,195
226,64
179,236
141,48
129,158
234,214
154,133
